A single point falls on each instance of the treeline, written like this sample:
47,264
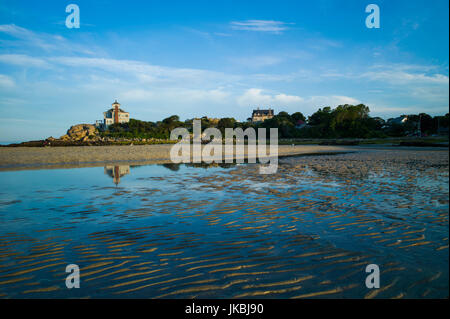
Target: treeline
142,129
422,122
344,121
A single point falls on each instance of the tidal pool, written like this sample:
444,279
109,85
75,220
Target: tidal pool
184,231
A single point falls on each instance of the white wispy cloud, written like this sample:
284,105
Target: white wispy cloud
23,60
28,37
48,43
260,25
331,100
6,81
258,97
16,31
398,77
80,79
147,72
253,97
257,61
395,74
175,95
287,99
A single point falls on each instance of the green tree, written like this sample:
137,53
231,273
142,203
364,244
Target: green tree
226,122
298,116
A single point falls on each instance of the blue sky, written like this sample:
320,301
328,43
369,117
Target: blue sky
216,58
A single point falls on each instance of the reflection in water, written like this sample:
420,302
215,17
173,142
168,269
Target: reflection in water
117,171
176,167
172,167
230,233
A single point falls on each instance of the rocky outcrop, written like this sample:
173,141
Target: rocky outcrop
81,132
88,135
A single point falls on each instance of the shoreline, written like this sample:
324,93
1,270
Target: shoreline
33,158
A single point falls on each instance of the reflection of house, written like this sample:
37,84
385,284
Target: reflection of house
261,115
114,115
116,172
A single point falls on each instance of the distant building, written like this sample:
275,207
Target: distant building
398,120
300,124
113,115
261,115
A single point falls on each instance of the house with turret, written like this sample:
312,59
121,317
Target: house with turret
113,115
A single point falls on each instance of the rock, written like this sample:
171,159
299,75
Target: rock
80,132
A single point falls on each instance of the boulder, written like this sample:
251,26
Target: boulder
80,132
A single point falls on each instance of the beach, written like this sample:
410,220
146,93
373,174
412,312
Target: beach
13,158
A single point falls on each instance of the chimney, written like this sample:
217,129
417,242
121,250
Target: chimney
116,111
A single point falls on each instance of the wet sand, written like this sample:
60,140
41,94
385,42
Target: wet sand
20,158
83,156
169,231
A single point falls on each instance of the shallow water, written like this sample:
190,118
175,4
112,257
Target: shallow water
175,231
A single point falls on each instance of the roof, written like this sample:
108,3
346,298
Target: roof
120,110
399,120
262,112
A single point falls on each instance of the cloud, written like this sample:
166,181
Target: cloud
333,100
28,36
321,44
222,34
134,95
80,84
258,98
49,43
147,72
253,97
200,33
16,31
257,61
23,60
270,26
287,99
6,81
427,85
175,95
400,74
396,74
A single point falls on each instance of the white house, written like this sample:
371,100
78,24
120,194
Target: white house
114,115
261,115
